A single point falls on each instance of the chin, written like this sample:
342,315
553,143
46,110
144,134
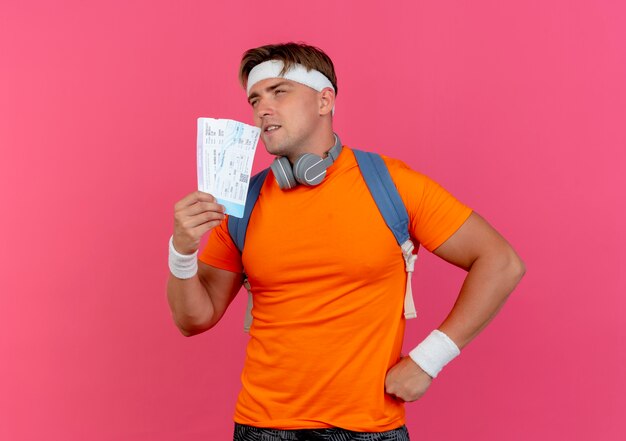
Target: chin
274,149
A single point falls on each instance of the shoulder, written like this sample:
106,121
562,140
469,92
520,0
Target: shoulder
399,167
410,183
406,178
423,197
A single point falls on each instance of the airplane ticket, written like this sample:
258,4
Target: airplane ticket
225,154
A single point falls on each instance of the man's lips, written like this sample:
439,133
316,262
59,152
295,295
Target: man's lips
269,128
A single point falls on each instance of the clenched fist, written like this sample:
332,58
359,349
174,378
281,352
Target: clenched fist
194,216
407,381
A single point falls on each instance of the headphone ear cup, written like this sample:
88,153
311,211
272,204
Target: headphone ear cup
309,169
281,168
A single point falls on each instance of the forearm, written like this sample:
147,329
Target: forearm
490,280
487,285
494,269
191,305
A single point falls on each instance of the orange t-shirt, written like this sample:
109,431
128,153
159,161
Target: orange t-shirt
328,281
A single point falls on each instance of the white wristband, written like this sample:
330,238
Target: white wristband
434,352
183,266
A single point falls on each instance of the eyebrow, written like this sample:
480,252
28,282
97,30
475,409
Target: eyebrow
268,89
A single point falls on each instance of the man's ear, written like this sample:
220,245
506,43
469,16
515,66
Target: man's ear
327,101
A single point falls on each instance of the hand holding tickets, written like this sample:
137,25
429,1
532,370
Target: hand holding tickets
225,155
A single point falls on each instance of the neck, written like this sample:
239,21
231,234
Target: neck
319,145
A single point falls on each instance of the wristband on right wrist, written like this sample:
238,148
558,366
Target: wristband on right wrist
182,266
434,353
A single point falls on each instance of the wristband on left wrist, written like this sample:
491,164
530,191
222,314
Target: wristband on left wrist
434,353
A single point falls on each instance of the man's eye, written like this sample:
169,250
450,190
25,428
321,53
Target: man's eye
253,103
279,91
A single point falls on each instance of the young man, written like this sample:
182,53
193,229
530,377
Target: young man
323,360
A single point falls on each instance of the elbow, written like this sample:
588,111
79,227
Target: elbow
187,332
189,327
515,268
191,331
521,269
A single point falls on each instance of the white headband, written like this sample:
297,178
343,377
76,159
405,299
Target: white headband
298,73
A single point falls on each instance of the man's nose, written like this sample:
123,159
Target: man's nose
264,108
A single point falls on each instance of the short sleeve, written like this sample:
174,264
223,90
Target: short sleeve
220,250
434,214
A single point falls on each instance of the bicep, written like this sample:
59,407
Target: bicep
221,285
474,239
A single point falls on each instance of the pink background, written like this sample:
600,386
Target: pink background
518,108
